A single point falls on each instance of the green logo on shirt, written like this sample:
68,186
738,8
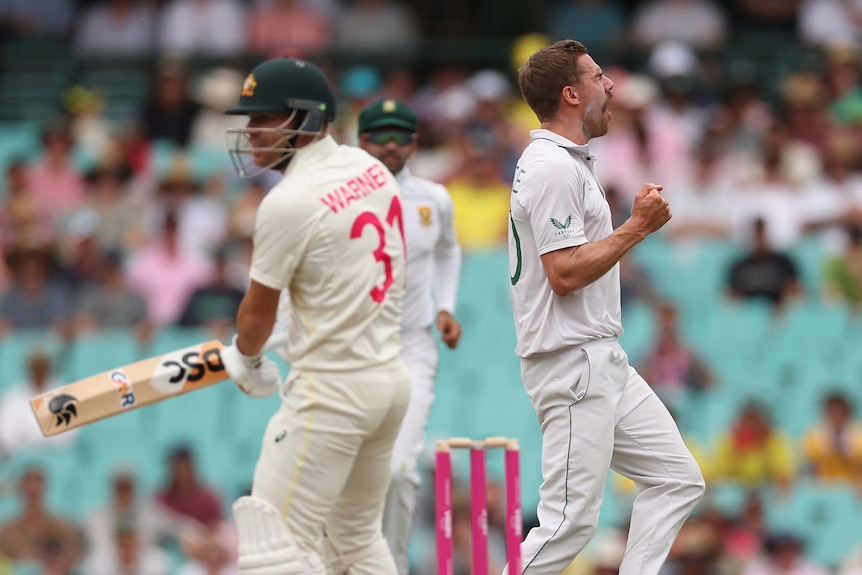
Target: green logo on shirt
562,226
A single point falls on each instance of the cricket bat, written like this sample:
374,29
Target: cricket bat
134,385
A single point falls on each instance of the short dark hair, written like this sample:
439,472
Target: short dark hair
544,75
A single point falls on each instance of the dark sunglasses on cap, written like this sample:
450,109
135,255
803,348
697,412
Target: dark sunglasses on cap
400,137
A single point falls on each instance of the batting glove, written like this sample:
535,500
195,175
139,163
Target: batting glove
255,375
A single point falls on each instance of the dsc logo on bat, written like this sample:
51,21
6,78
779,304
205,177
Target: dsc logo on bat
189,365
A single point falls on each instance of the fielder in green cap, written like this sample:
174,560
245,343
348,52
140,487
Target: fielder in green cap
387,130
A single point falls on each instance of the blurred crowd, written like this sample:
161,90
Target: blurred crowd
138,221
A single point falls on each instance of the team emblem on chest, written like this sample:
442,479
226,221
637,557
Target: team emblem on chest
425,215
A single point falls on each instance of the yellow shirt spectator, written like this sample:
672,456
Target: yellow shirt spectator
480,199
832,449
754,452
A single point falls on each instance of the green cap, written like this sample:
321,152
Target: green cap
387,114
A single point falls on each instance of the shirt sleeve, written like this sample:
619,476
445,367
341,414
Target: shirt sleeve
283,230
553,199
447,258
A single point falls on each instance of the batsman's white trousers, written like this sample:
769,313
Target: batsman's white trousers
419,351
596,413
326,459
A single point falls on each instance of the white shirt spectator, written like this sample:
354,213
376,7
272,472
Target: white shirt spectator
827,22
202,27
19,430
374,25
699,23
118,28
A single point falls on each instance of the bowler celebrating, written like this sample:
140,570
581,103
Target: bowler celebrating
595,411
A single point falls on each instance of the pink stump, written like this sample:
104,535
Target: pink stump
443,491
479,510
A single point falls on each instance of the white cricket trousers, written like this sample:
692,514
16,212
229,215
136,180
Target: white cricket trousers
326,459
596,412
419,351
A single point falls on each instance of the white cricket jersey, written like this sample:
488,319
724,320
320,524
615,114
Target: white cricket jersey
331,233
557,203
433,253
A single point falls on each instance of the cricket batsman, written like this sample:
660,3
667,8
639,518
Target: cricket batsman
330,233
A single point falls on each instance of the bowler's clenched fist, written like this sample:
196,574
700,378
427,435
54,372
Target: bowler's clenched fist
650,208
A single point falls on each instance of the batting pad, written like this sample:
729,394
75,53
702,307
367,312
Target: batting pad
265,544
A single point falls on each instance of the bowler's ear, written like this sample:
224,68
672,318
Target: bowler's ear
570,96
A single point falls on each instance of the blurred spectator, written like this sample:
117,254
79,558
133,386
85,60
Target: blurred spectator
698,23
834,200
209,555
445,101
91,129
34,300
843,272
765,16
843,77
745,533
287,28
165,274
680,116
129,555
377,26
79,254
763,273
492,92
480,199
54,180
24,222
804,108
741,116
110,304
214,306
19,430
202,28
701,202
116,28
696,551
770,188
824,22
46,19
185,494
754,452
215,92
358,87
152,525
785,556
243,210
635,283
115,214
598,24
36,530
671,365
832,447
199,206
169,111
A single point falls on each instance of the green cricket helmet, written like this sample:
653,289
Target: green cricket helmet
295,88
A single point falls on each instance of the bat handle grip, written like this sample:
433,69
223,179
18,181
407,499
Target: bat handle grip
275,340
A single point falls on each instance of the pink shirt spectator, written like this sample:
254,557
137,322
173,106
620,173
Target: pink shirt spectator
167,281
287,27
57,188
